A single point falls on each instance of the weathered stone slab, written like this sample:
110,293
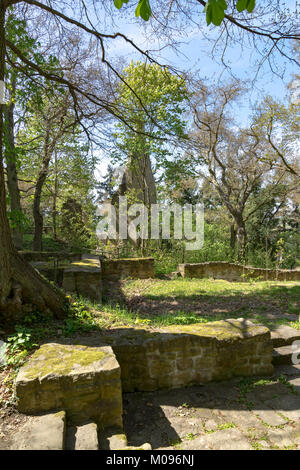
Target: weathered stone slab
184,355
288,406
284,335
86,437
42,433
84,381
271,417
281,438
117,441
229,439
145,446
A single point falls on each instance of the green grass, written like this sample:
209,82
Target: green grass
184,287
158,302
190,300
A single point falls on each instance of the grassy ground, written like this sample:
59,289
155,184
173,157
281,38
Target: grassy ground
162,302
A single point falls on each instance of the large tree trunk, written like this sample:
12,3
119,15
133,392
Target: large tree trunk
5,238
11,167
139,177
241,237
21,287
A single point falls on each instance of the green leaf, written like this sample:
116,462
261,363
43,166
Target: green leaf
241,5
143,10
215,11
119,3
208,16
250,5
217,15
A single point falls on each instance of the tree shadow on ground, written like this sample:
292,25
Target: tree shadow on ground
168,417
270,303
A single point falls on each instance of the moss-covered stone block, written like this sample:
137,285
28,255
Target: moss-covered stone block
84,381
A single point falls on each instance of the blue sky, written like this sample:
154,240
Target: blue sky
195,55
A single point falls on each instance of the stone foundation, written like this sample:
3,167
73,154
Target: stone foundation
137,268
235,272
84,278
193,354
86,274
83,381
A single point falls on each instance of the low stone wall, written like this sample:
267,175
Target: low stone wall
137,268
87,381
84,278
83,381
85,275
185,355
235,272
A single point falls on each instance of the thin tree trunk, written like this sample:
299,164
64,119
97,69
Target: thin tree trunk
11,167
232,237
43,173
55,195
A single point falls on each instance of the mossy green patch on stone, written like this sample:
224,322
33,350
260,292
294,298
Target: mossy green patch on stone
222,330
120,260
59,359
86,262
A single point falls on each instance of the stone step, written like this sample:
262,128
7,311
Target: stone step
145,446
283,355
112,439
86,437
115,439
45,432
83,437
284,335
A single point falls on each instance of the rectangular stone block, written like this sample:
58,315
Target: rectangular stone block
84,381
42,433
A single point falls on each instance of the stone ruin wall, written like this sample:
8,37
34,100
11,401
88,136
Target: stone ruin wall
235,272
